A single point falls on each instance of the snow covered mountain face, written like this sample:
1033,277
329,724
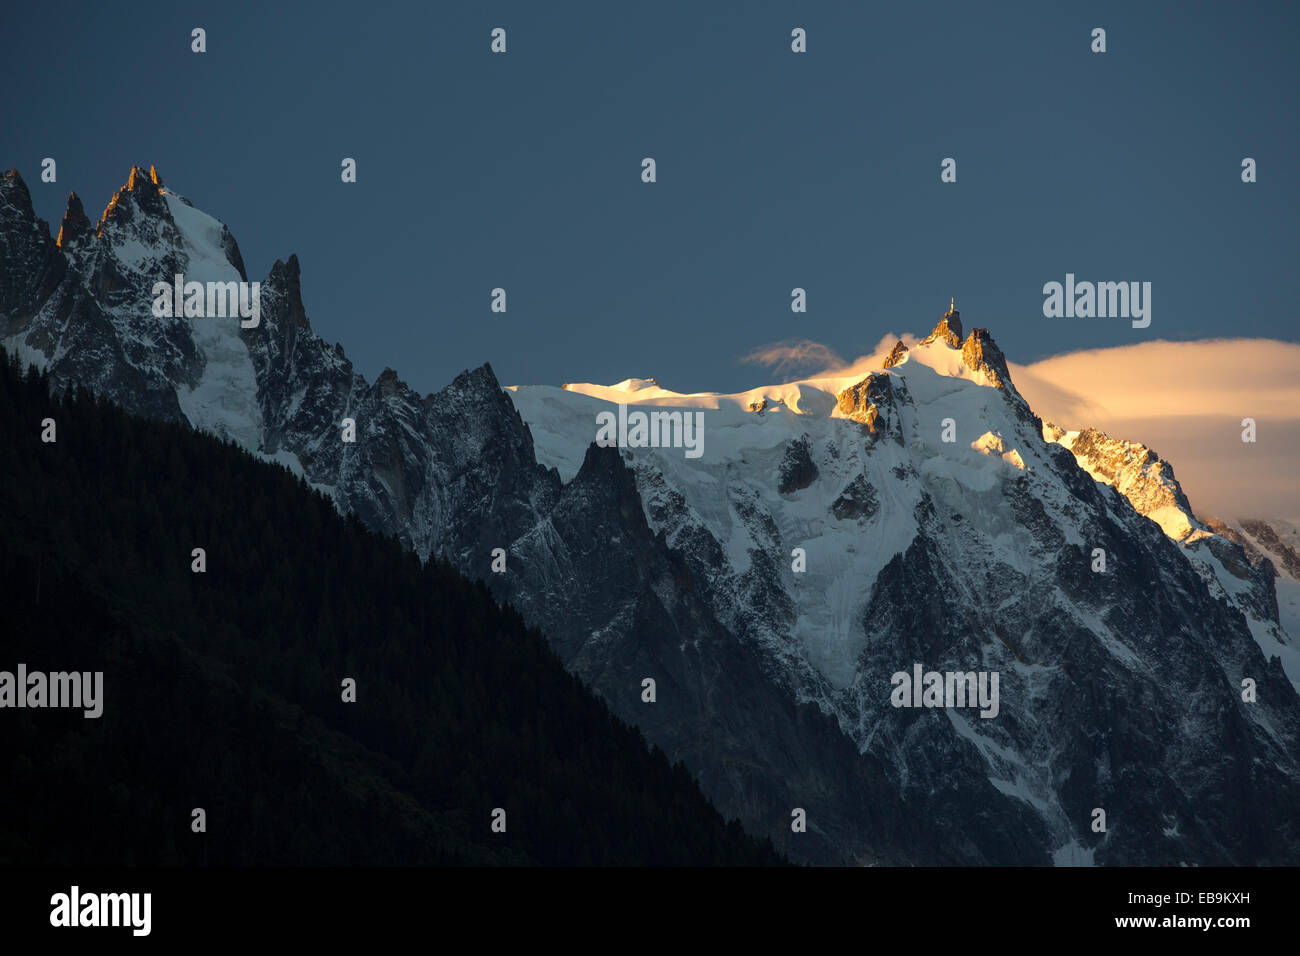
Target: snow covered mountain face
834,532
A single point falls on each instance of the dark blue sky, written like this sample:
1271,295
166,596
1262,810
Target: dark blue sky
775,169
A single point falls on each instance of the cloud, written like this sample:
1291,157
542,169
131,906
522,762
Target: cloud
1244,377
792,358
802,359
1186,400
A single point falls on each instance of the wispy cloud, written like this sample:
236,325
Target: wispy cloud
793,358
797,359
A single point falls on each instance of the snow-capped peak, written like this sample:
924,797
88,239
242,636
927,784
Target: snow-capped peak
636,384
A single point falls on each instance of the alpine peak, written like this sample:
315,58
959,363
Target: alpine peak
948,329
138,175
636,384
981,354
143,191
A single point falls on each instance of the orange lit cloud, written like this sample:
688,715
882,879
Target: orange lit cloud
1187,400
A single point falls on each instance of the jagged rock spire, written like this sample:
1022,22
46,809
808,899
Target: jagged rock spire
948,329
16,194
286,277
981,354
75,223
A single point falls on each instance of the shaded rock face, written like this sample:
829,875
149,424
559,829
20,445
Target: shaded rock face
31,267
1091,771
858,500
797,468
1119,690
1257,597
1233,569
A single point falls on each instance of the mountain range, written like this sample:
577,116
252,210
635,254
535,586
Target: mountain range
835,532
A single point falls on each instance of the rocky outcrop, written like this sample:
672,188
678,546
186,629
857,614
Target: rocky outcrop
1286,556
1138,472
981,354
875,402
857,500
896,354
948,330
797,468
